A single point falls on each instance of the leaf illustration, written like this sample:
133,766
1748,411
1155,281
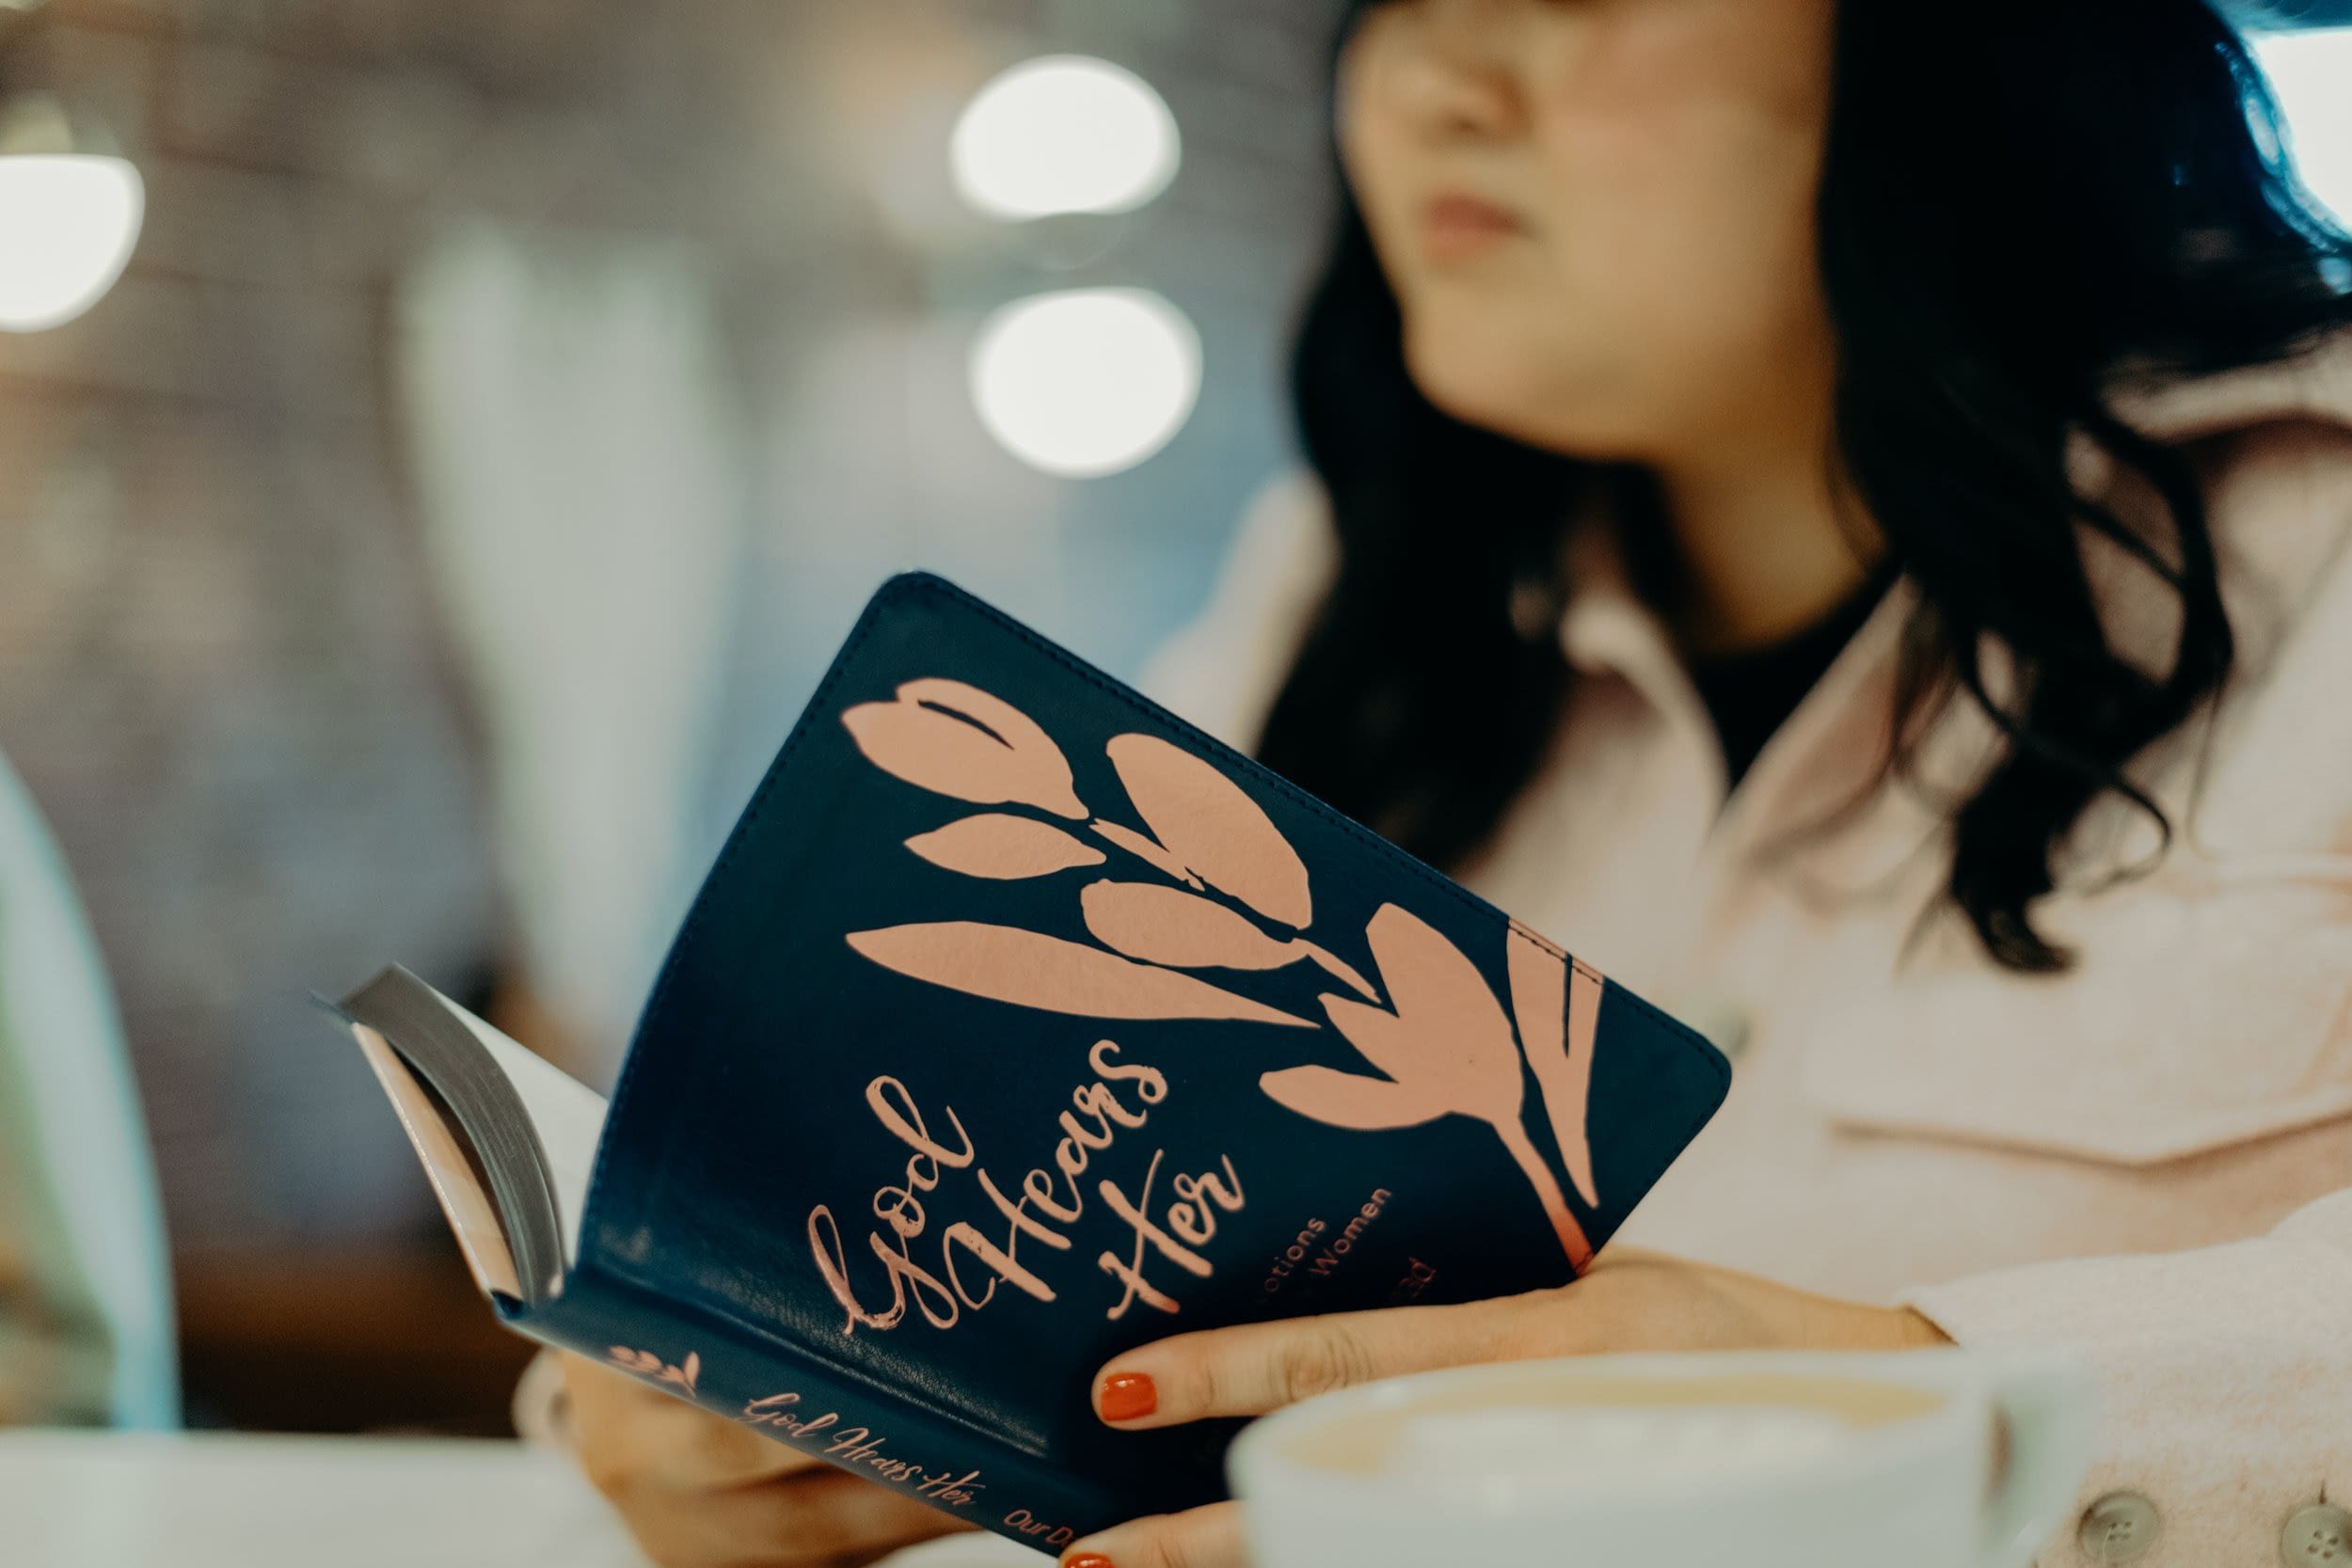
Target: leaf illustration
1462,1050
1345,1099
1148,849
1565,1225
957,740
1168,926
1558,1017
1379,1036
1004,848
1028,969
1448,1049
647,1364
1211,826
1343,972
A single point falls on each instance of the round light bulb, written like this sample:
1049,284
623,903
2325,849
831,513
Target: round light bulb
2310,73
1064,134
68,223
1087,382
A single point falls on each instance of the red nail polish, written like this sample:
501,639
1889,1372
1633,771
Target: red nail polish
1128,1396
1086,1559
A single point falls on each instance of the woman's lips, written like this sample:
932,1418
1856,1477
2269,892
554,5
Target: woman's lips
1455,225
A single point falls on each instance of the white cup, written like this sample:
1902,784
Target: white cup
1773,1459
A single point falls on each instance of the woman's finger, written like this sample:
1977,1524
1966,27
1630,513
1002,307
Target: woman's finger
1254,1367
810,1521
1203,1538
628,1433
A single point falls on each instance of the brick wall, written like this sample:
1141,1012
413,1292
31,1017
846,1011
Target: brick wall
220,669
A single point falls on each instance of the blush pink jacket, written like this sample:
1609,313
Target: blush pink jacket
2148,1159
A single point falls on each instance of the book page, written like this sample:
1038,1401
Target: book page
472,1216
566,1113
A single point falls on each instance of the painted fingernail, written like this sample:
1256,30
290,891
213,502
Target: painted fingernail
1126,1396
1086,1559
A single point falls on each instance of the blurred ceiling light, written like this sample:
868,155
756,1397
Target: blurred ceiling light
69,215
2311,74
1087,382
1064,134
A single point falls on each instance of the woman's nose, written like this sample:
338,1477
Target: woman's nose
1454,75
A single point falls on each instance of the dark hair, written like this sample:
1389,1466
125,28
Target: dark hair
2018,200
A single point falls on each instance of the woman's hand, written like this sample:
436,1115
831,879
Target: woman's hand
1630,1301
700,1492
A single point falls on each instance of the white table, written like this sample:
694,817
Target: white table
98,1500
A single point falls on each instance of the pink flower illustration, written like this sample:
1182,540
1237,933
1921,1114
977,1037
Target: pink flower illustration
1442,1045
957,740
1446,1049
1210,829
1182,930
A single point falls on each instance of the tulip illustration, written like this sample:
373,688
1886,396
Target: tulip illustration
1446,1049
1207,829
1184,930
959,741
1442,1046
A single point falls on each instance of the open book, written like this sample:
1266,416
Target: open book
507,1138
1019,1024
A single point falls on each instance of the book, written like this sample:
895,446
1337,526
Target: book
1017,1024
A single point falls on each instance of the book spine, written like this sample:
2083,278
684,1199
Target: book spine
797,1399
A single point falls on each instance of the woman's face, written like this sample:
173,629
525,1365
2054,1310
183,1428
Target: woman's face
1599,214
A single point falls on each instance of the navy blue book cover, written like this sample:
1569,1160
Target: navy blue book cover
1019,1024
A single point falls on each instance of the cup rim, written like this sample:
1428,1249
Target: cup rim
1261,1445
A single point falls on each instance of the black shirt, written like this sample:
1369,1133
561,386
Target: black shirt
1751,694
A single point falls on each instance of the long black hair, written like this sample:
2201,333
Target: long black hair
2020,199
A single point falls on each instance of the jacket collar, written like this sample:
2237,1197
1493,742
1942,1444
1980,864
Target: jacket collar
1833,746
2314,386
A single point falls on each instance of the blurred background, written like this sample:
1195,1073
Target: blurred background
441,443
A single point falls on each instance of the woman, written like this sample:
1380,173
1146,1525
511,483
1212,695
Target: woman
1843,512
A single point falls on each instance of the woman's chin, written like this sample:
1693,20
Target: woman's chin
1530,410
1484,375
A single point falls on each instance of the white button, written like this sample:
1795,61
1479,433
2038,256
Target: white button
2121,1527
2319,1536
